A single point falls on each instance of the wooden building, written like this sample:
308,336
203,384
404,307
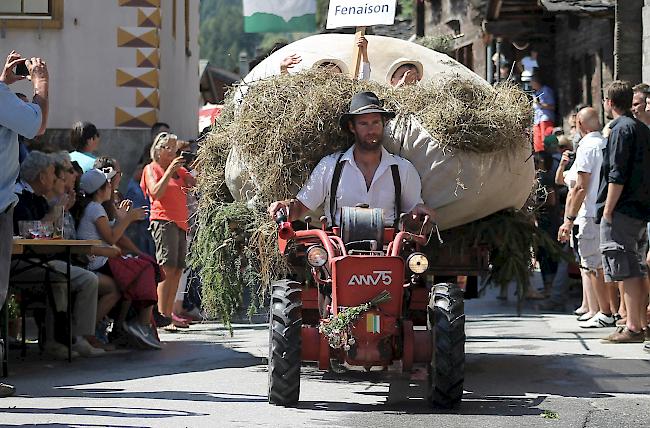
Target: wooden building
580,49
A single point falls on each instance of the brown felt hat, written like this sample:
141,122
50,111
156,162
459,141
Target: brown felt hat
364,103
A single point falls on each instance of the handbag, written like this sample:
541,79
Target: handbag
135,276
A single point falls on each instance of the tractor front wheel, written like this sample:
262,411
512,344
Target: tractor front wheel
446,321
285,343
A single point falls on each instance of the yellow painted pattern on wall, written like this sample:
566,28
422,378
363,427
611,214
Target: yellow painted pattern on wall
134,117
135,77
145,97
140,3
149,17
147,57
136,37
144,77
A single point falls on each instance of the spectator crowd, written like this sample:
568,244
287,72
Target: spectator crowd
134,280
596,177
598,206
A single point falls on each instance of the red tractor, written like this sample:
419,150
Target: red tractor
362,294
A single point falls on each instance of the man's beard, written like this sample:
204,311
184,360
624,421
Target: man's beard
366,146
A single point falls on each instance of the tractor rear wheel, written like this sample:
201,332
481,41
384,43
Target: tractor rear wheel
285,343
446,322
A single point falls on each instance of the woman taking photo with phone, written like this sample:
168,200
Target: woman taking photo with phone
166,181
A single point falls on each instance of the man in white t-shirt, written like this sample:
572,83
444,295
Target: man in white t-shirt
366,172
529,62
581,210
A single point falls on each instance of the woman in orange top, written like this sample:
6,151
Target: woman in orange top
166,181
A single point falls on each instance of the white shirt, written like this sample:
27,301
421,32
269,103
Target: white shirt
589,159
364,72
529,63
87,229
352,188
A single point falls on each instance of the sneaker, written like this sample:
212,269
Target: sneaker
599,320
84,348
101,330
58,350
586,316
161,320
580,311
195,314
617,316
147,336
6,390
625,335
143,337
96,343
646,347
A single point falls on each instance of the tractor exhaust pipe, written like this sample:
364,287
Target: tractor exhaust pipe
285,229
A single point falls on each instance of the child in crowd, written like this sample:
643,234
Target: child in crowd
134,275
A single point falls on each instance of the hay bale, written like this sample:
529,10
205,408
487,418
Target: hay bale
265,144
465,139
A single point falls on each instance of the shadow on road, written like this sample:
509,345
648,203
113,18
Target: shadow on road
497,384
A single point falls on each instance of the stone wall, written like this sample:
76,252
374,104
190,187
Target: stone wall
449,17
646,41
583,63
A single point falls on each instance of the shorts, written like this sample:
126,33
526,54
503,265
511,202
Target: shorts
588,238
171,243
623,243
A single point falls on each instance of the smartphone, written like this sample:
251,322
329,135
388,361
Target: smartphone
21,69
188,157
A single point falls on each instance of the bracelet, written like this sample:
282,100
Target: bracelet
571,217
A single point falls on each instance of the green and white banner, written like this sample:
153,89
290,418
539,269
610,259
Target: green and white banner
279,16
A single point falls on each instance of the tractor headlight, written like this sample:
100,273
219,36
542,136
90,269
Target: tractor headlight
417,263
316,256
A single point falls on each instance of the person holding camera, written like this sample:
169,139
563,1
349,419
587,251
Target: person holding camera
166,180
16,118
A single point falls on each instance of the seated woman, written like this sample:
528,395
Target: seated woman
135,275
64,194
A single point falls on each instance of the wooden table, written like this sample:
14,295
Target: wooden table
38,252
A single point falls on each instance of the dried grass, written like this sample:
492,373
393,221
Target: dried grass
285,124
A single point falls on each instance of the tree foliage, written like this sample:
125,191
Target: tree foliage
223,38
222,35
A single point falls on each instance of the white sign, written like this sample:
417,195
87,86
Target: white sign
360,13
377,275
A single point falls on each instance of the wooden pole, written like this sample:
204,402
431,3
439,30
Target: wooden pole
356,52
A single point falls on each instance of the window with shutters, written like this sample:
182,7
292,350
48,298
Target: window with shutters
31,13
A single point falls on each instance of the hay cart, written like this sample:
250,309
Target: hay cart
362,294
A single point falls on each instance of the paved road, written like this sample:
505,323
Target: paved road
529,371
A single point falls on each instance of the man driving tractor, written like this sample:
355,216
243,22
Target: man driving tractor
368,298
365,174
